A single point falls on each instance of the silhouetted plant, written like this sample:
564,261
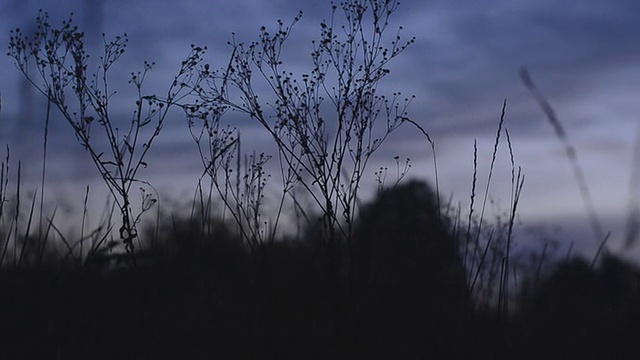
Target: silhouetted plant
486,247
12,232
579,310
84,99
326,123
240,183
572,155
403,224
409,277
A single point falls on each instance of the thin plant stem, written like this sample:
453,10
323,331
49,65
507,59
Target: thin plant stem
572,155
44,166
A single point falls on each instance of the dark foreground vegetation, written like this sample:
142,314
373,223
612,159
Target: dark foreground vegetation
405,296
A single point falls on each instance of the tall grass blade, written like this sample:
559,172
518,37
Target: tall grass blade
44,166
17,215
633,213
26,238
571,152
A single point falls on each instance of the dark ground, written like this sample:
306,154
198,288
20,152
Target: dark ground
404,296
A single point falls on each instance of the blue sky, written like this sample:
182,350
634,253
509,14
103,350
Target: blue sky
583,56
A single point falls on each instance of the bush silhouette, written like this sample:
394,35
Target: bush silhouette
403,233
581,311
412,290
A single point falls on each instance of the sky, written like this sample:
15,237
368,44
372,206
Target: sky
583,56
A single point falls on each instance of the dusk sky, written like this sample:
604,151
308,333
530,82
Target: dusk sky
583,56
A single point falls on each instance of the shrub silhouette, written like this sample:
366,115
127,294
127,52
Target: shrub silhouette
409,275
581,311
403,231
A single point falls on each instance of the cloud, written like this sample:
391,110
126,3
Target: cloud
464,63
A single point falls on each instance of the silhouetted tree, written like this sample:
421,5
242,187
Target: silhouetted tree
408,276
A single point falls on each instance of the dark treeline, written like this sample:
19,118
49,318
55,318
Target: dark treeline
404,295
